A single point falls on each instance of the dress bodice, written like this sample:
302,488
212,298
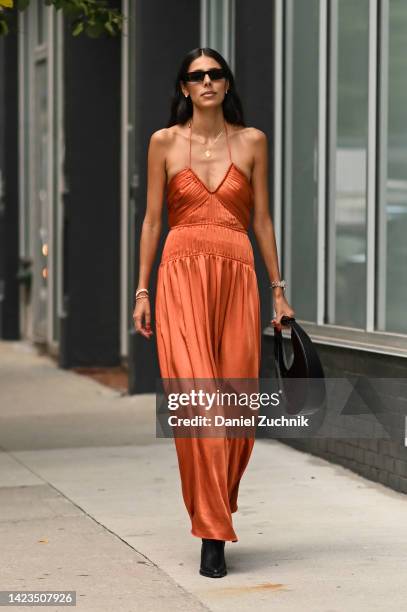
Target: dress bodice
190,202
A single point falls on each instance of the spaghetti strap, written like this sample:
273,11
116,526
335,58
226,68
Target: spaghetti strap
227,140
190,142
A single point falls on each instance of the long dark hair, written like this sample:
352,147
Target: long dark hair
181,107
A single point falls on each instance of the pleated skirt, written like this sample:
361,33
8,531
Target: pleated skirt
207,318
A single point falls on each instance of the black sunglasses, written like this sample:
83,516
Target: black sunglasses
198,75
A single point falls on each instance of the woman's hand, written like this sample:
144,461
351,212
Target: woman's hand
142,309
281,308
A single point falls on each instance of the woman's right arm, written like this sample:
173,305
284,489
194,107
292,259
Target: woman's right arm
151,228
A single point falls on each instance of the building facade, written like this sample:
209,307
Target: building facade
324,79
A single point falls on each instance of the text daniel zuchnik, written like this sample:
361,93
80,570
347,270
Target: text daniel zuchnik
263,421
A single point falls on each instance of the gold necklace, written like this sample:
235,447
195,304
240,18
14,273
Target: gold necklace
208,151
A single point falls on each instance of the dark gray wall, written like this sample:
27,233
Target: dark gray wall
255,82
90,331
9,302
165,33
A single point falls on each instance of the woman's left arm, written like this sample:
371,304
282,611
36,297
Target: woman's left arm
263,224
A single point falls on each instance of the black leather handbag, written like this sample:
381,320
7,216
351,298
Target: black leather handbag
307,393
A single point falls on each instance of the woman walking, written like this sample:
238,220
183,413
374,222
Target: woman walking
207,310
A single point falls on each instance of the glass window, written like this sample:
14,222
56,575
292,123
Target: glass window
392,285
349,178
217,27
41,21
300,197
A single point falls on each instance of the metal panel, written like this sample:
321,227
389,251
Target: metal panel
278,123
332,97
382,117
371,168
124,181
322,160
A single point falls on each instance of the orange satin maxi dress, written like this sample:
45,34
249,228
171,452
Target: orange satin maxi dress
207,316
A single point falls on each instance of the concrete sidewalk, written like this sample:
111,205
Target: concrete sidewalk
90,500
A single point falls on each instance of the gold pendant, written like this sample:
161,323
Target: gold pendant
207,153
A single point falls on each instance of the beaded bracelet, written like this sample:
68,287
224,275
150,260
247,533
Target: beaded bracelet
281,283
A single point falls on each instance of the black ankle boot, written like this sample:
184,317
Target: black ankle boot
213,562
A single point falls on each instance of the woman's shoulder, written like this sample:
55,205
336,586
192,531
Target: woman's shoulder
160,136
166,134
255,135
249,134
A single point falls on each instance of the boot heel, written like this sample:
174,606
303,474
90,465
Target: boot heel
213,564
